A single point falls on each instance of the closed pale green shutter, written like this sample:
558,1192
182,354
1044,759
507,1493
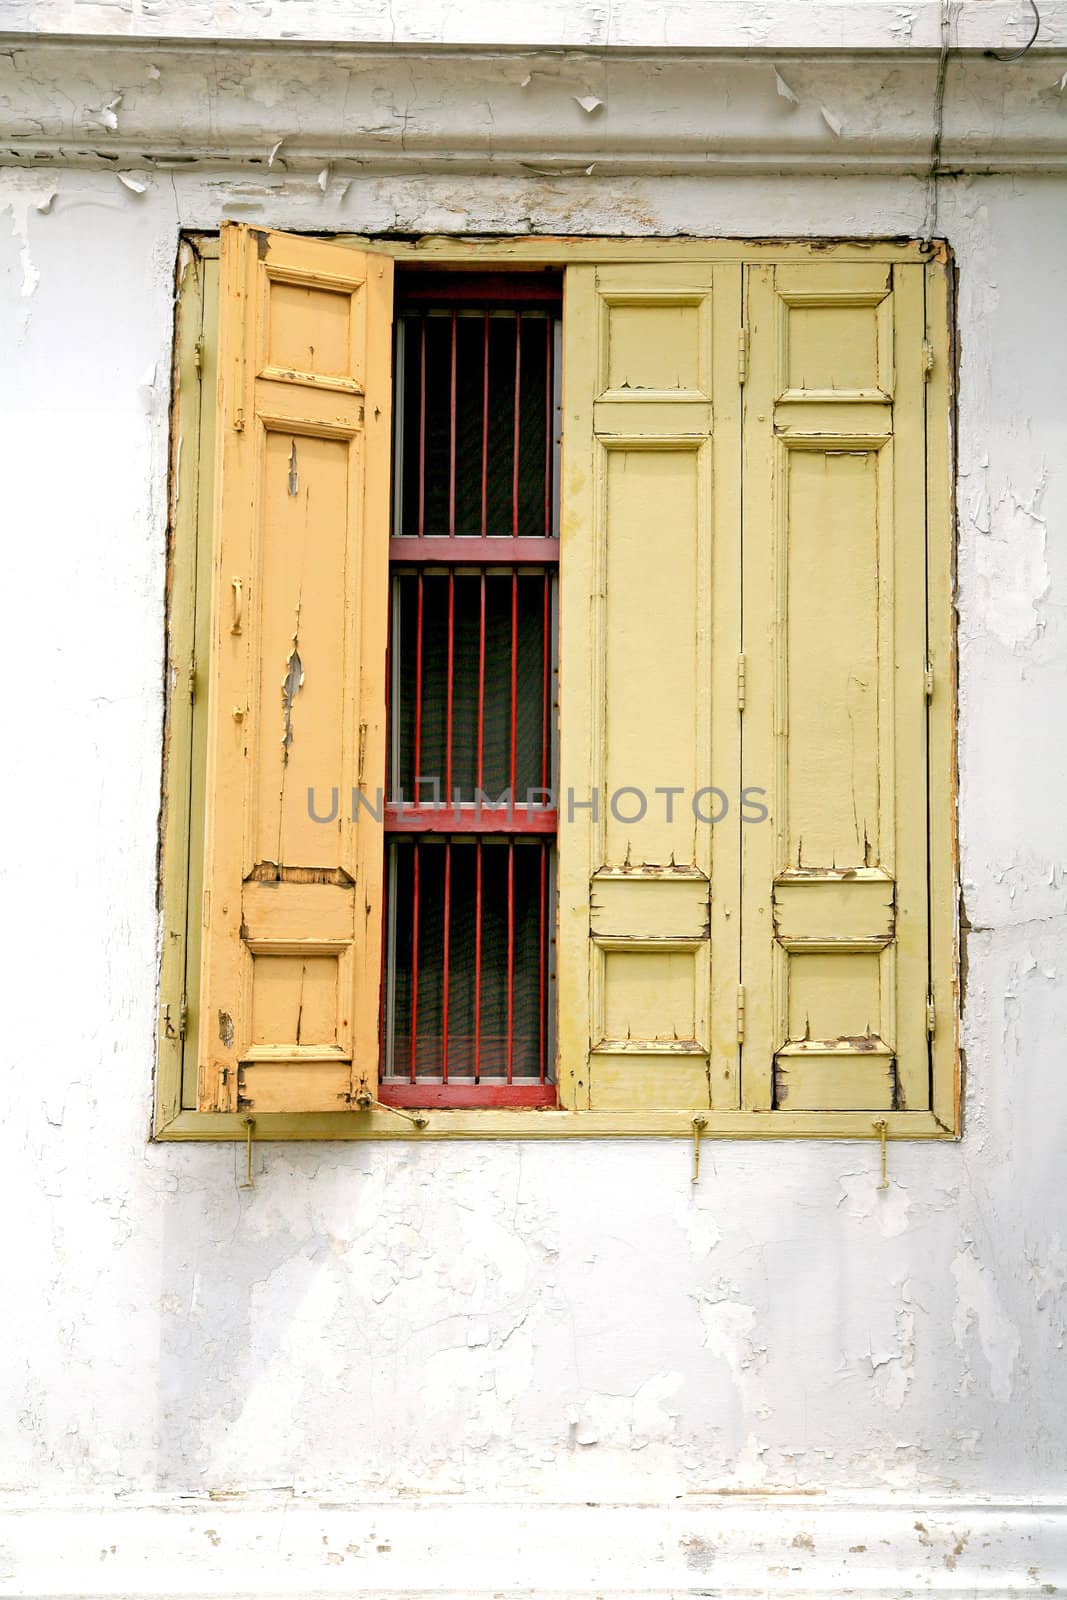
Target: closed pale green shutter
836,953
650,630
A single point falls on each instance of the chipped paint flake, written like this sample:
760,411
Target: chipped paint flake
107,116
783,88
1011,562
18,207
292,684
980,1313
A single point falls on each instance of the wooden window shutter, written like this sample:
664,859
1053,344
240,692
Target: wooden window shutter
648,955
835,917
292,905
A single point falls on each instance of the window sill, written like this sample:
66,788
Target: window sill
494,1123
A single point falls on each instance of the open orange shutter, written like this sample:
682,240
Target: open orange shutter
292,905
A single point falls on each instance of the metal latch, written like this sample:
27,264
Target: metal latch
174,1028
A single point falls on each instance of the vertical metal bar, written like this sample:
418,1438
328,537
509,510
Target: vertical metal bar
402,432
541,1060
393,670
481,685
478,959
557,415
452,440
542,930
448,925
551,962
515,442
511,956
417,757
553,683
548,426
546,679
385,1043
422,426
514,673
449,684
485,424
414,958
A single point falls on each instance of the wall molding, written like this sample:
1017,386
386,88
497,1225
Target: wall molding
275,1545
746,25
303,108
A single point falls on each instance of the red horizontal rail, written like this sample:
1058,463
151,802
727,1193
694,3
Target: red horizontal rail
474,549
469,818
455,1096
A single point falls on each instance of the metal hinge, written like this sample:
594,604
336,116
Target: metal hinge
931,1016
198,358
740,1013
170,1030
741,683
742,355
928,682
192,679
928,360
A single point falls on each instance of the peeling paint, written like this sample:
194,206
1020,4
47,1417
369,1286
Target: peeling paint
292,684
783,88
18,206
980,1313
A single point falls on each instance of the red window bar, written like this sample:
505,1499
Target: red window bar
470,817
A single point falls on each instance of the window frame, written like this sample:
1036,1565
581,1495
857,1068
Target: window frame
184,744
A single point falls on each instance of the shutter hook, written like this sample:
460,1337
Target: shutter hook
249,1183
365,1101
882,1128
699,1123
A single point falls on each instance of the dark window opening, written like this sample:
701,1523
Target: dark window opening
471,814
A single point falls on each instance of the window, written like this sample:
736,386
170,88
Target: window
470,826
722,830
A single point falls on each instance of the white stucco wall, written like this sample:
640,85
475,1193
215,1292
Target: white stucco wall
372,1330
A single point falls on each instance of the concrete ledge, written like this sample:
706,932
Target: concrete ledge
292,108
275,1545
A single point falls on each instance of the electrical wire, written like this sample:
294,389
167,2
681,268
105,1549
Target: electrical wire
933,172
1017,55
